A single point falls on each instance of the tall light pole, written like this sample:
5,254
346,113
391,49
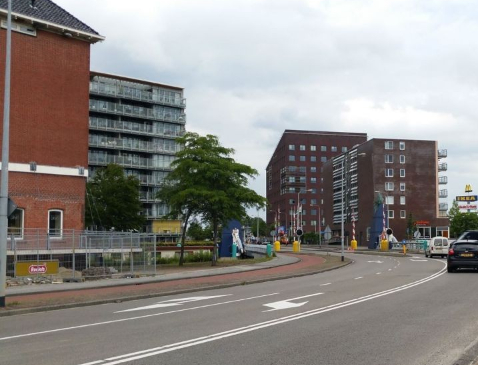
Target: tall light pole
299,209
385,216
342,257
5,161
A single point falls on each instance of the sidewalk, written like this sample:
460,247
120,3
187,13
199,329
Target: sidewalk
43,297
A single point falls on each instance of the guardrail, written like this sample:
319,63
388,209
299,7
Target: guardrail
259,249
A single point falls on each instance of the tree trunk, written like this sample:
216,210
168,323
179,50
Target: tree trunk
183,238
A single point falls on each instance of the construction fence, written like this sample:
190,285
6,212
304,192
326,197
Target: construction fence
87,253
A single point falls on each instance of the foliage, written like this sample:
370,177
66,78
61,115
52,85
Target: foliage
311,237
264,229
410,226
206,181
202,256
463,222
199,233
113,200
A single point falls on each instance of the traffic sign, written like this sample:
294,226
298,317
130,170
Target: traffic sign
11,207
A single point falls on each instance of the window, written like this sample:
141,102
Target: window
391,214
55,223
292,179
313,148
388,158
402,200
291,201
402,158
302,168
389,200
313,169
302,147
313,180
292,168
388,172
313,158
333,148
402,186
291,147
314,191
389,145
402,172
313,223
323,148
313,212
302,179
389,186
323,159
302,158
402,146
403,214
291,158
15,223
344,149
313,201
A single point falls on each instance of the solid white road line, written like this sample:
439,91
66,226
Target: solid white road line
132,318
325,284
217,336
357,278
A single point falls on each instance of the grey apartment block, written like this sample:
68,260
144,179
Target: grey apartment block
134,123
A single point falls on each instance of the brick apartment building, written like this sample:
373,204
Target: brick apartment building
48,115
295,172
403,174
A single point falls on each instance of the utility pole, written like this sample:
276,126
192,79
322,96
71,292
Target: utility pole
5,160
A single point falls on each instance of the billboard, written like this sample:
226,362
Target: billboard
30,268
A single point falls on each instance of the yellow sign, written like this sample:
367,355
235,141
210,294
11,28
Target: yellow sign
468,188
31,268
467,198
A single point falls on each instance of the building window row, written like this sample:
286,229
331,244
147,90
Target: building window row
17,218
313,148
389,145
391,214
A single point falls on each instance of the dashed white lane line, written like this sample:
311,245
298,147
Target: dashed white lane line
325,284
378,273
357,278
389,269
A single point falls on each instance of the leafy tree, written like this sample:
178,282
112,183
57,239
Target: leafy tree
206,181
113,200
463,222
197,232
264,229
410,226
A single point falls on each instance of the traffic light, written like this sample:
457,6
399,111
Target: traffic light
389,231
299,232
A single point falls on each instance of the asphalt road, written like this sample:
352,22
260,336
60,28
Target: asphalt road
378,310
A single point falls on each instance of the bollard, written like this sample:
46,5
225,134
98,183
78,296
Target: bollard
276,246
383,245
353,245
234,251
269,250
295,246
404,249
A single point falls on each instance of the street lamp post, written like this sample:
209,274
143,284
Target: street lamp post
385,216
299,209
342,257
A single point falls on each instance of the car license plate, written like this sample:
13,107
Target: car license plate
466,255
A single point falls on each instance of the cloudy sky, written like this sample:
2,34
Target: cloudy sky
252,68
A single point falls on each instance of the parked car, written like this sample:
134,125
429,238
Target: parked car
438,246
463,253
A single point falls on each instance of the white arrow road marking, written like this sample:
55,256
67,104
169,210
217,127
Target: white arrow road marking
378,262
285,304
172,302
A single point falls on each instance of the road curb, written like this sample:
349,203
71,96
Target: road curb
23,311
470,356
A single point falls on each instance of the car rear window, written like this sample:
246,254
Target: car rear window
469,236
471,243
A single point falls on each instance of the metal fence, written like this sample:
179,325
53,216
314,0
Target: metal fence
89,253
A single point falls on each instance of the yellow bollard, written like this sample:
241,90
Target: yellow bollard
383,245
295,246
276,246
404,249
353,244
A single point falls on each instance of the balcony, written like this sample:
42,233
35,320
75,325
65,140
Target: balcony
137,111
443,206
132,145
442,167
442,180
131,162
110,125
443,193
442,153
100,88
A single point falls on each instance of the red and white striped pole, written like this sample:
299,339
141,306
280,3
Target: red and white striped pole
353,228
383,231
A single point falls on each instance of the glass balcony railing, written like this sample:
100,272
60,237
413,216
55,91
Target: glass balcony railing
133,145
137,94
443,180
442,167
443,206
442,153
137,111
128,161
129,127
443,193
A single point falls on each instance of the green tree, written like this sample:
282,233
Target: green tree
463,222
197,232
112,200
206,181
410,226
264,229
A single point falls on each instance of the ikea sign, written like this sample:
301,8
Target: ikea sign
467,198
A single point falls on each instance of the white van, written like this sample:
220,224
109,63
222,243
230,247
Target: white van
438,246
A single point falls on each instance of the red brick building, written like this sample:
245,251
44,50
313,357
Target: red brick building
295,172
48,115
